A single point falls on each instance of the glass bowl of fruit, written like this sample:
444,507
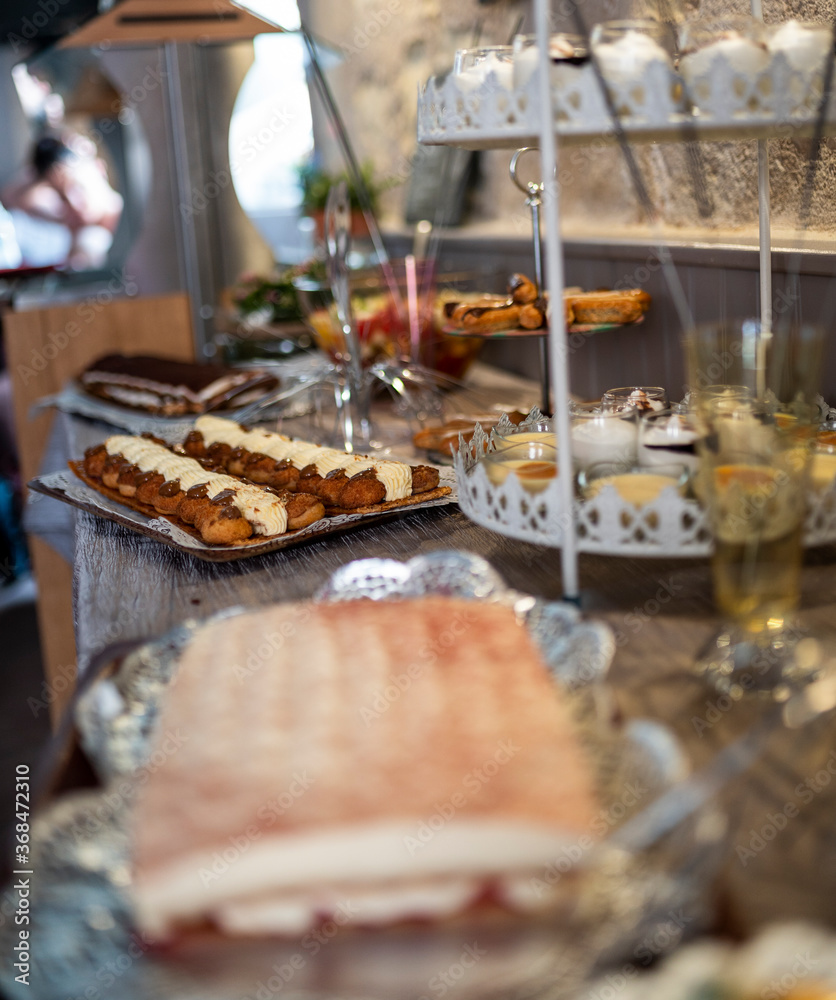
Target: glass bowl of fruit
395,315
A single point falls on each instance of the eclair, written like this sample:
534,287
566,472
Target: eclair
224,510
340,479
533,314
490,317
522,289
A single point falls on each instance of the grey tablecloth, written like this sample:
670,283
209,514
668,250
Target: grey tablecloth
128,586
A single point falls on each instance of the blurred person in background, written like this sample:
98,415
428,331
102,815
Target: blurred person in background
13,559
10,255
64,209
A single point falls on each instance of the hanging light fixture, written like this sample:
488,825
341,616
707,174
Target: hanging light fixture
157,22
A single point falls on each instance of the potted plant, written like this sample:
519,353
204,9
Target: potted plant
261,316
316,183
271,298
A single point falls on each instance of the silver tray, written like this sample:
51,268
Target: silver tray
68,488
299,371
797,952
616,902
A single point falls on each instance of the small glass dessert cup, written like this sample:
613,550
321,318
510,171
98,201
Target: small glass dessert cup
666,436
722,63
567,55
726,392
602,434
804,45
645,398
534,463
755,451
473,67
822,471
826,437
540,432
823,464
635,57
635,484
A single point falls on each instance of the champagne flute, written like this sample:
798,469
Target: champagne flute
352,390
753,391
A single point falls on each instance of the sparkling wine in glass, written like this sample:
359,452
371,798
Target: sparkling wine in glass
753,391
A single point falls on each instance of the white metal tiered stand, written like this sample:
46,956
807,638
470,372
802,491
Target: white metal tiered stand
651,109
555,284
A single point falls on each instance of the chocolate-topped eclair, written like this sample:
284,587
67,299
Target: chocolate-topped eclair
338,478
484,316
241,461
148,485
533,315
522,289
223,509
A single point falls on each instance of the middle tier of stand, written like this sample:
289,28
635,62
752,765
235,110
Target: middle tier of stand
672,526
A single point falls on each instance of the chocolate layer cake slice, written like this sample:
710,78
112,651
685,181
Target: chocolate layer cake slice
172,388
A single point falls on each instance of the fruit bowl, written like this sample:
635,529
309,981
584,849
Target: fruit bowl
387,319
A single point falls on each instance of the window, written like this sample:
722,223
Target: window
270,134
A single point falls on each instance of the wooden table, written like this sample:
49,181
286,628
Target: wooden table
127,586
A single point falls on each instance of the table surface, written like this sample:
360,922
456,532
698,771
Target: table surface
129,587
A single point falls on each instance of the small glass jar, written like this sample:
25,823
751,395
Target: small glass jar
567,54
822,471
473,67
602,435
534,463
624,48
721,391
711,398
542,432
635,484
826,437
636,59
667,437
645,398
738,41
805,46
823,462
743,427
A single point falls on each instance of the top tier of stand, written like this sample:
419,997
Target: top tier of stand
781,101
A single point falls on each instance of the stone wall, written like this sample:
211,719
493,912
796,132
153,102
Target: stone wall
389,46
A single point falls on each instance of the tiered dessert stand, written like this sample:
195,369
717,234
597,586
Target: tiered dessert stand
651,108
671,526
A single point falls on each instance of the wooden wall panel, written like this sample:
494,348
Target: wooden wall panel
55,623
47,347
44,349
